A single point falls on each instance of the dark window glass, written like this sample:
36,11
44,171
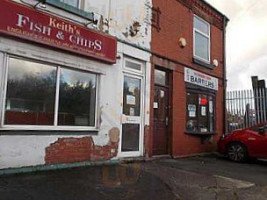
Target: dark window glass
200,113
192,112
134,66
130,137
211,113
77,98
74,3
160,77
30,97
257,128
31,94
131,96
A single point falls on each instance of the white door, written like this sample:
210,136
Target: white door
131,142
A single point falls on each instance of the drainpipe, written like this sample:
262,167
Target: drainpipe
225,21
109,11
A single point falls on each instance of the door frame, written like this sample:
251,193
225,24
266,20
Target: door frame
141,76
170,109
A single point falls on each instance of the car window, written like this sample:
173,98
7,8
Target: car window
256,128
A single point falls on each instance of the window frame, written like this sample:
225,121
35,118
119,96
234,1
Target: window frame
208,94
53,127
79,6
203,34
79,11
131,70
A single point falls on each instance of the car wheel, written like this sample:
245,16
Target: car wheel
237,152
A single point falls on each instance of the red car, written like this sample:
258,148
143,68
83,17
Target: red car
245,143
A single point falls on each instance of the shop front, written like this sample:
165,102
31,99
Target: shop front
68,93
186,110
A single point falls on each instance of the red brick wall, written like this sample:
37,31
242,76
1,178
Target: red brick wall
176,21
70,150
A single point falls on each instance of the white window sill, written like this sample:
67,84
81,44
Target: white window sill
206,64
49,128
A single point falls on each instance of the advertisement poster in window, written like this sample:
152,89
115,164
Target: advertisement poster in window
130,100
192,110
132,113
203,110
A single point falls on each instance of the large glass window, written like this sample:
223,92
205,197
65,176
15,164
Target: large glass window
30,96
200,112
201,39
76,98
40,94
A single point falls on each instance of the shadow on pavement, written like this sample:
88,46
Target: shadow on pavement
116,182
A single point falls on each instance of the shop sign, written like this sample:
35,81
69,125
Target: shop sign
200,79
27,23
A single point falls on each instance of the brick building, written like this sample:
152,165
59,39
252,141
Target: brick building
85,81
188,77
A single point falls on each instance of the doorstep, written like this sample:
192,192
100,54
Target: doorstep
157,157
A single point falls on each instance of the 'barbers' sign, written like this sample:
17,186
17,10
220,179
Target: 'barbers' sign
200,79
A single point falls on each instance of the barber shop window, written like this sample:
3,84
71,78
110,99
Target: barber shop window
44,95
201,39
200,113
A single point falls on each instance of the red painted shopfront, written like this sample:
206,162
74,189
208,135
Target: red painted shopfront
36,26
30,25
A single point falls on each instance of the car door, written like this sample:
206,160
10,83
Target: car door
263,136
256,142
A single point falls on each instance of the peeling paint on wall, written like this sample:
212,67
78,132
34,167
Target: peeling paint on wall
128,20
70,150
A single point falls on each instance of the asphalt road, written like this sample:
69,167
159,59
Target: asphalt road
209,177
253,171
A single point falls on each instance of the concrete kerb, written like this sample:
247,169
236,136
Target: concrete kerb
39,168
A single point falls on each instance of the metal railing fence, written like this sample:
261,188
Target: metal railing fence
245,108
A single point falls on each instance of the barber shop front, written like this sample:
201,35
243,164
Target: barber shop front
68,93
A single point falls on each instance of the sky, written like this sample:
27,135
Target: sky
246,40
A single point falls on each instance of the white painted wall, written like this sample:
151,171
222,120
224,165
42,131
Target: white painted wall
29,150
119,16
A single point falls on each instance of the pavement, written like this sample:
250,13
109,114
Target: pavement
194,178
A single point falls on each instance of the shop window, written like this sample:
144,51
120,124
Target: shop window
200,113
74,3
73,6
76,98
44,95
30,96
201,39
